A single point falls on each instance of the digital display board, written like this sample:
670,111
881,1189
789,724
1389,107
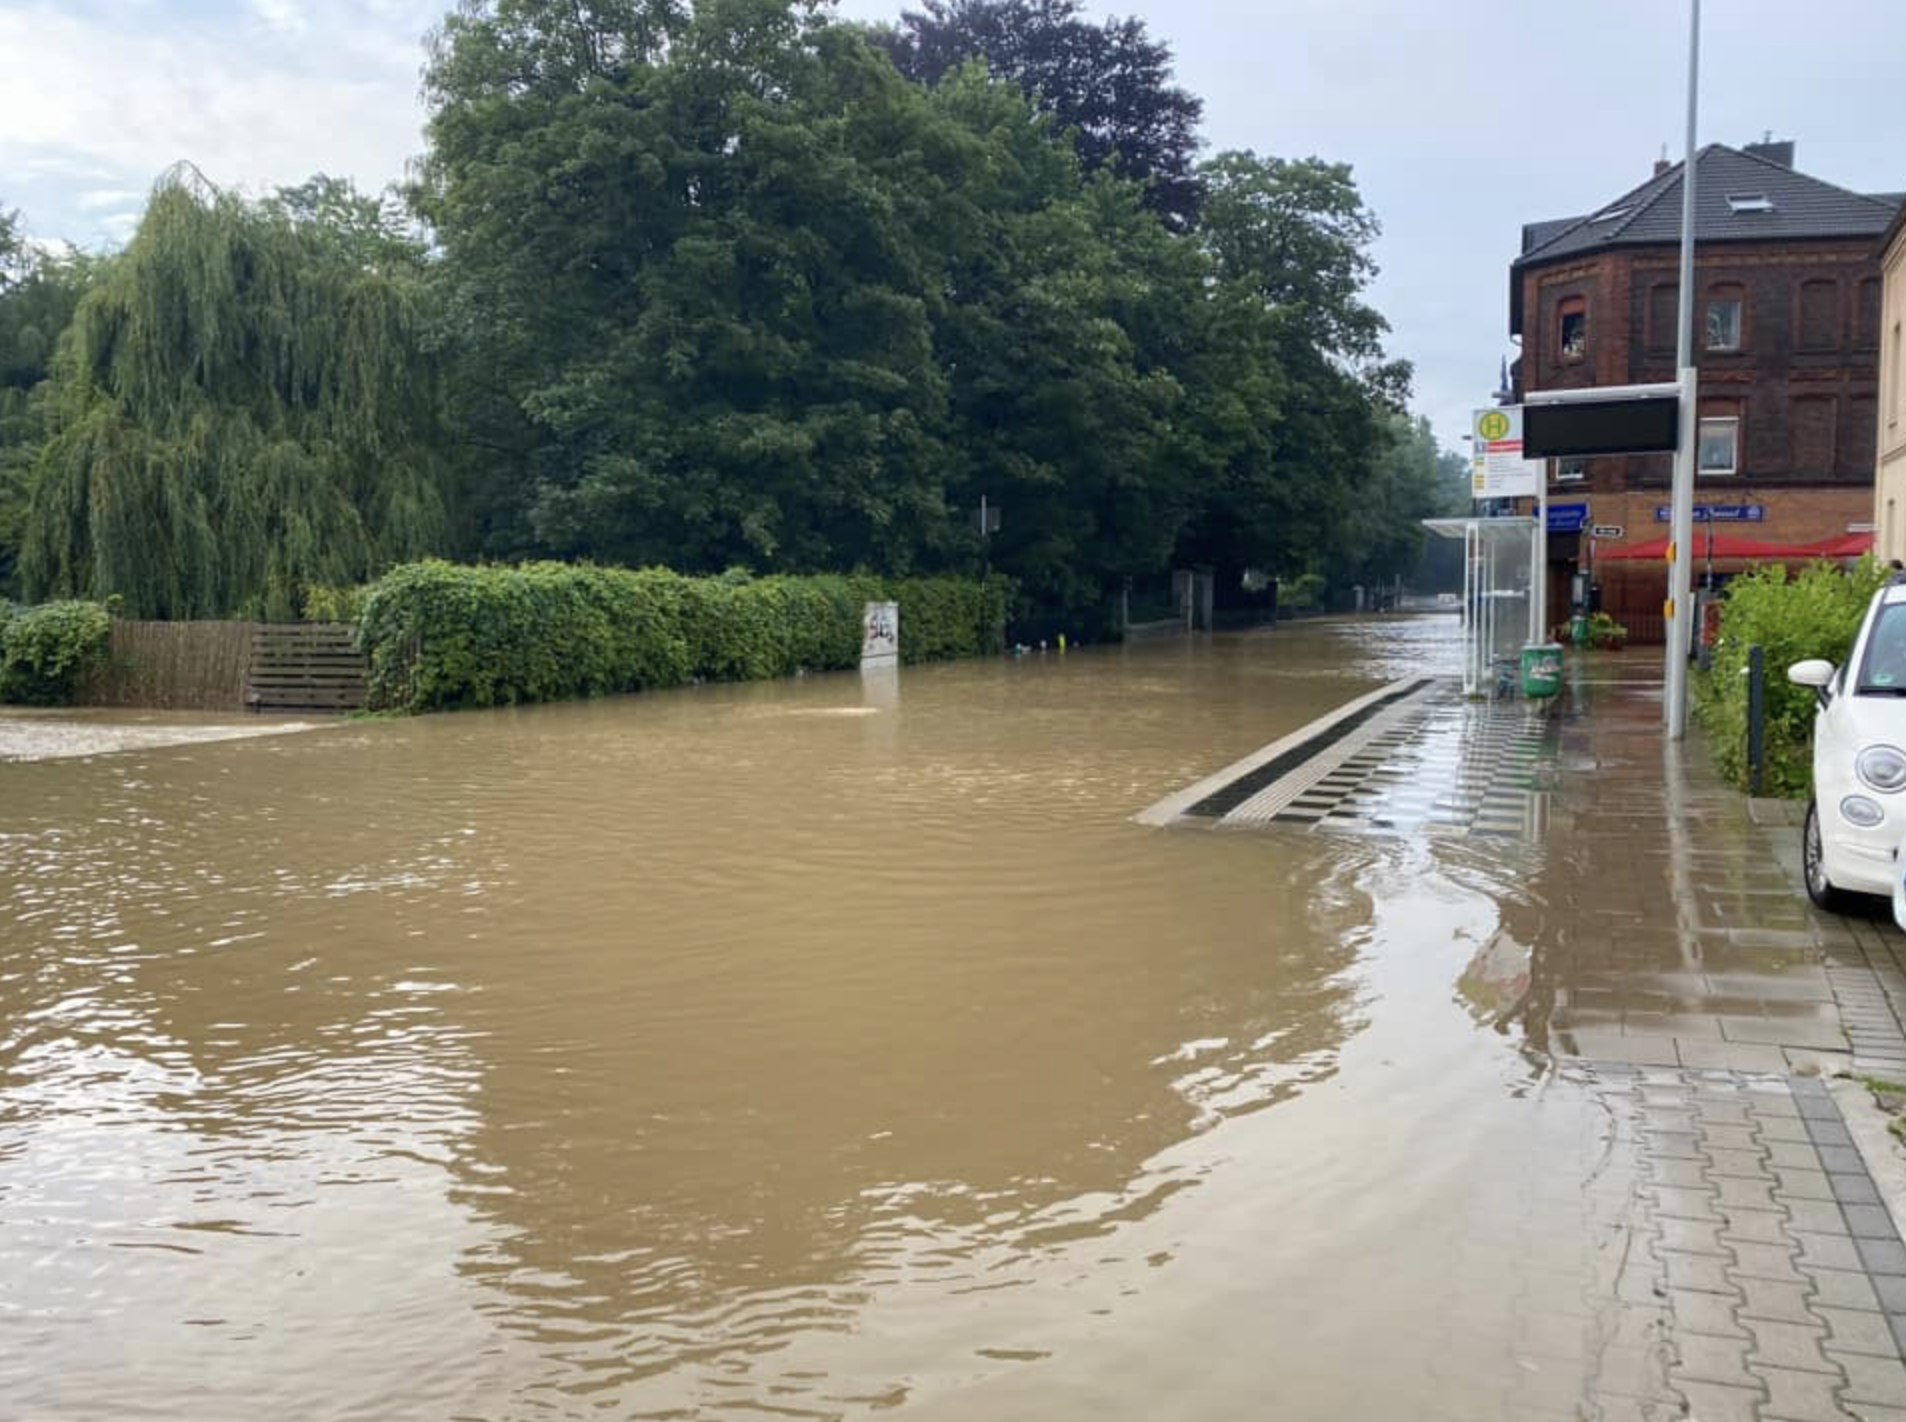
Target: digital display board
1622,426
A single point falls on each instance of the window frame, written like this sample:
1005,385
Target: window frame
1733,422
1725,298
1566,309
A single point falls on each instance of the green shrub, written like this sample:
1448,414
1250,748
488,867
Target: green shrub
45,651
323,603
1301,593
1814,613
1604,631
440,635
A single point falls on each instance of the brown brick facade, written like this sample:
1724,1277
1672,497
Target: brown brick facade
1804,382
1803,385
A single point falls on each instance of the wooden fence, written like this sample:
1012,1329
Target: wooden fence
228,666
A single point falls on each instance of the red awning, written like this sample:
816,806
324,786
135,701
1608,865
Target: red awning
1847,545
1725,545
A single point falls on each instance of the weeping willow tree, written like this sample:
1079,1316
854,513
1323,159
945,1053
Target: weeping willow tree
241,409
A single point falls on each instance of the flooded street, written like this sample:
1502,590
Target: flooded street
815,1049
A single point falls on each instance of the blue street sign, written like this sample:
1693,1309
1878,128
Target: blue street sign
1717,513
1568,518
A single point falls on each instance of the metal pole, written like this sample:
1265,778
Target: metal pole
1756,716
1539,565
1681,530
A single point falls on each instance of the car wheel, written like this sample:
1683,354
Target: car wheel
1813,860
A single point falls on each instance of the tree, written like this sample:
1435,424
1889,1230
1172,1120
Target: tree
239,410
1413,478
1297,234
39,289
1109,84
695,287
1298,400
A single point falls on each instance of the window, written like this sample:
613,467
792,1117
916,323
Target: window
1572,469
1860,438
1812,424
1898,379
1739,203
1866,315
1664,309
1613,214
1720,446
1883,671
1819,317
1724,323
1571,325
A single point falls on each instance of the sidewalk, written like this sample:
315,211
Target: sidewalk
1752,1269
1680,935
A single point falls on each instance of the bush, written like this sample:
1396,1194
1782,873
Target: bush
1815,613
45,651
440,635
1301,593
322,603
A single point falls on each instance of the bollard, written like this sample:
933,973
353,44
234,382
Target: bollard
1756,716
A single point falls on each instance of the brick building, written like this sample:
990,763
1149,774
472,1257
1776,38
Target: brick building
1787,336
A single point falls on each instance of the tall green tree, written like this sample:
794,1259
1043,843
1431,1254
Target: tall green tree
1108,84
1289,249
694,283
240,409
39,289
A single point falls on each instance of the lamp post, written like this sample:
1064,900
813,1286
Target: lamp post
1680,605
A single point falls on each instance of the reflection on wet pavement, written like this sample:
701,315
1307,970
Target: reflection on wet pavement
829,1048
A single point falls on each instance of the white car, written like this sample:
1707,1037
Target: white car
1857,816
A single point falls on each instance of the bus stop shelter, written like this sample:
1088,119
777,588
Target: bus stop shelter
1500,558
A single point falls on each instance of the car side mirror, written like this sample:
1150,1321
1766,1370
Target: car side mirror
1816,673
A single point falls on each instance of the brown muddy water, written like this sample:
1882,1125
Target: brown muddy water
812,1049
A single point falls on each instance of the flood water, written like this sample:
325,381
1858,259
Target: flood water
824,1048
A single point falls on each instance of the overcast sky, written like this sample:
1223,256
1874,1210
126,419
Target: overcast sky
1463,118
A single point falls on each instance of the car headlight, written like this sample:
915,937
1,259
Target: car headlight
1883,768
1858,810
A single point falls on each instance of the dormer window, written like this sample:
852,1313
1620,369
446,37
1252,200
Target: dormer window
1738,203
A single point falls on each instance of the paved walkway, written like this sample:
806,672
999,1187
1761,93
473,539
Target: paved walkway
1677,966
1742,1262
1682,937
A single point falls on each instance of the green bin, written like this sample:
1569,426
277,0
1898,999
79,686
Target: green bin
1541,669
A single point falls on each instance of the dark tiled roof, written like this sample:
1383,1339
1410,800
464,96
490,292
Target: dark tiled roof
1650,215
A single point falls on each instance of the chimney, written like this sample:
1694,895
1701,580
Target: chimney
1662,164
1781,152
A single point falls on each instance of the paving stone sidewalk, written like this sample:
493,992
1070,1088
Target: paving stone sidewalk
1677,967
1752,1272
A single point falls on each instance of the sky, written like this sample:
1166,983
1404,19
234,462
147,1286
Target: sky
1462,119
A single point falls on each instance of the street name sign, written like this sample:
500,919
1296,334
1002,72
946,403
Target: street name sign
1607,530
1568,518
1717,513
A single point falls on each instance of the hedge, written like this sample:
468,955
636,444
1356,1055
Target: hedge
46,650
441,635
1791,617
